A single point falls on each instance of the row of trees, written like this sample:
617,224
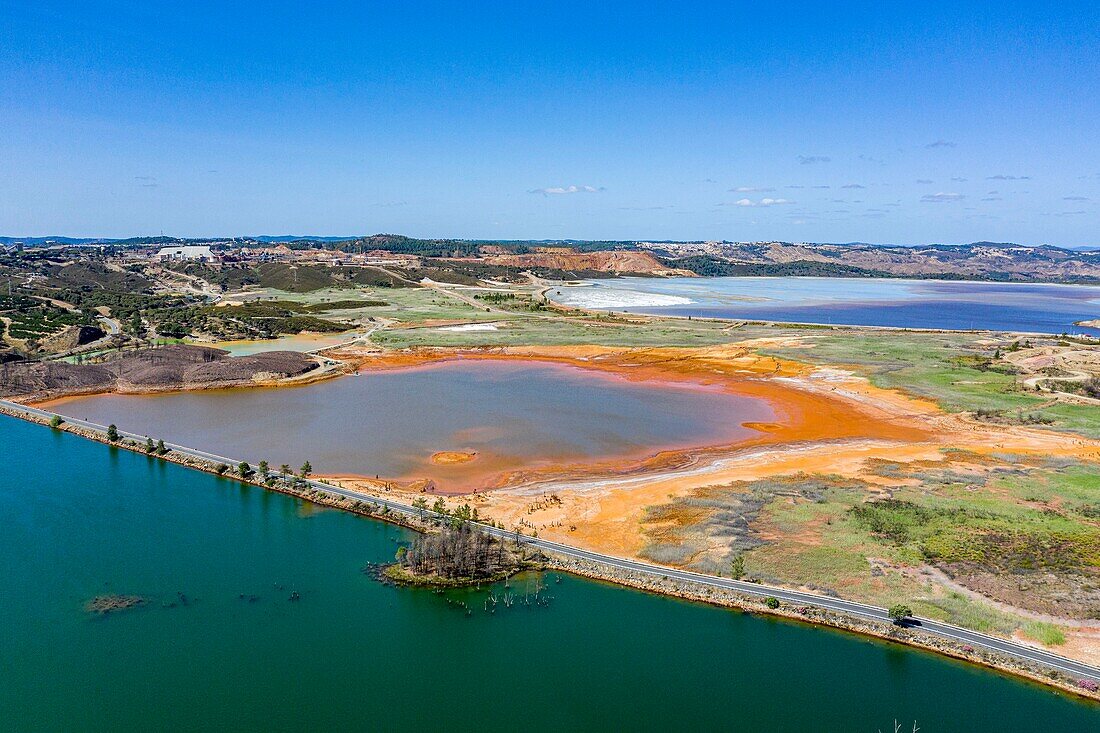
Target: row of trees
151,448
158,449
461,513
244,470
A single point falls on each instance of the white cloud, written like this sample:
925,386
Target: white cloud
762,202
939,198
853,185
811,159
1075,198
751,189
559,190
924,181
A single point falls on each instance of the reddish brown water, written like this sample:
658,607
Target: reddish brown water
511,415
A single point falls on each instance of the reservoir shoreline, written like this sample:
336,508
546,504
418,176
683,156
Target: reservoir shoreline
316,494
1026,309
566,308
799,411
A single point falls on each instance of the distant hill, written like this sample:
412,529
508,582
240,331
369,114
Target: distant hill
997,261
978,261
40,241
277,239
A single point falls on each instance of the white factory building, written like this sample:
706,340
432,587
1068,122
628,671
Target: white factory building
187,252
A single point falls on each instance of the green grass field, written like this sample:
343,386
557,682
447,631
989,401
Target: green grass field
951,369
1024,520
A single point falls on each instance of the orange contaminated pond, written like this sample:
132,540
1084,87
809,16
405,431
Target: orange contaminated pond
458,425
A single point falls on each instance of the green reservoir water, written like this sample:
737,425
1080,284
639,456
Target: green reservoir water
80,519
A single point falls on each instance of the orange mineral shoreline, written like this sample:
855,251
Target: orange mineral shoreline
801,415
818,411
828,421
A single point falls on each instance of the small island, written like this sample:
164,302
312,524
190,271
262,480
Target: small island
452,457
460,554
104,604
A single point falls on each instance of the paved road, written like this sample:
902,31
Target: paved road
113,327
801,598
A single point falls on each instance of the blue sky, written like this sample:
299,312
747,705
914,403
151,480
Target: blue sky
743,121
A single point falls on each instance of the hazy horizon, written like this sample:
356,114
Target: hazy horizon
278,238
427,237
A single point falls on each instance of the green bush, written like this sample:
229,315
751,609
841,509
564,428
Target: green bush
1044,633
899,611
892,519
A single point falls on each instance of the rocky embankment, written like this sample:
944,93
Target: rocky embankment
159,369
810,614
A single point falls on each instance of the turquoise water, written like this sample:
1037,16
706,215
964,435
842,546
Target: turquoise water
82,519
294,342
1038,308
